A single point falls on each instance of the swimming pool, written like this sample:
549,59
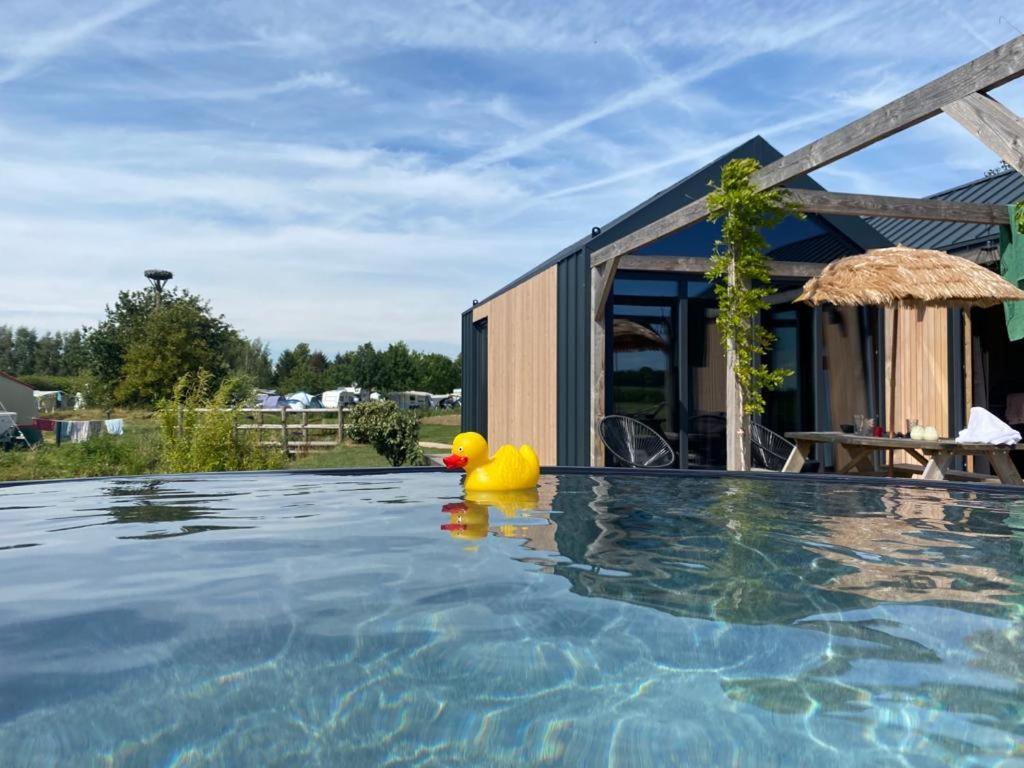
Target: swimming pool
288,619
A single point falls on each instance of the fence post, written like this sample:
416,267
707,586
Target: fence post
341,425
305,429
259,429
284,431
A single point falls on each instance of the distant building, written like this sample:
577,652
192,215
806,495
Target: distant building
17,397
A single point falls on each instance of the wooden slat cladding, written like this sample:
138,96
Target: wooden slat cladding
522,365
922,360
847,377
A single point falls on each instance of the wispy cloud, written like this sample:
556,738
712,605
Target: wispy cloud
426,153
26,53
306,81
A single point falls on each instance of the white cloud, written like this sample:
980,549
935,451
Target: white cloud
343,171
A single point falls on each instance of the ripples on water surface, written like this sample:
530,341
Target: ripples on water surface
364,620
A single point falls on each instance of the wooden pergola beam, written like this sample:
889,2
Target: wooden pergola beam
846,204
995,68
993,125
701,265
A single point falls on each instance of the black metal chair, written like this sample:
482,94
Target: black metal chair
768,449
635,444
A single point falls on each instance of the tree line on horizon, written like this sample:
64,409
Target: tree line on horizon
145,344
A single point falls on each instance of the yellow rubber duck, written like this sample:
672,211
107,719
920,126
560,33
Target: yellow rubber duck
507,470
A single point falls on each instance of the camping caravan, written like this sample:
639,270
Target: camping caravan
341,397
410,400
18,398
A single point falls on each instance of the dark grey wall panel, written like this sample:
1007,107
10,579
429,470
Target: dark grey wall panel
574,360
474,375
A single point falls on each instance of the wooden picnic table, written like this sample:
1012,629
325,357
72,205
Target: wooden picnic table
934,456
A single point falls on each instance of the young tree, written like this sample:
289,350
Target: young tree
176,339
250,358
300,370
23,352
397,372
6,349
139,351
366,366
436,373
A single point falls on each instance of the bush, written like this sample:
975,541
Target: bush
394,434
199,440
364,419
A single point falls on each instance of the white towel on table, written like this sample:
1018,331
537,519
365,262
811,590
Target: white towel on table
983,427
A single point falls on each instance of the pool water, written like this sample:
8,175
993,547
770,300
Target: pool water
287,619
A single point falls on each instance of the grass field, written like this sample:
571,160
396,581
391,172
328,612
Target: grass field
137,452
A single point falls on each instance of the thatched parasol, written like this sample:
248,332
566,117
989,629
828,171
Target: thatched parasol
907,277
631,336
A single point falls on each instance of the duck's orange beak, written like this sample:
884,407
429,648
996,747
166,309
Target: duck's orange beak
455,461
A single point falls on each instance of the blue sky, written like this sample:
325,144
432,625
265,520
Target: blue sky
342,171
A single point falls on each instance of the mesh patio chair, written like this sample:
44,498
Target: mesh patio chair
635,444
768,450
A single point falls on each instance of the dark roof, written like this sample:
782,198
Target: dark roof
830,237
999,189
16,381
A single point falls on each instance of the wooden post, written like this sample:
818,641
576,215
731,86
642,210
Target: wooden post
968,375
892,382
259,429
597,372
284,431
737,422
341,424
305,429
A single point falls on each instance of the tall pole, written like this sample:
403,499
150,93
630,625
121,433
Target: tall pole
158,279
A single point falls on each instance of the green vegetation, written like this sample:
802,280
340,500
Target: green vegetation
437,433
146,342
140,451
1019,215
345,456
394,369
393,433
134,453
198,430
739,269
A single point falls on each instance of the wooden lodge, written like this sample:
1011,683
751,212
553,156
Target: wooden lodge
622,321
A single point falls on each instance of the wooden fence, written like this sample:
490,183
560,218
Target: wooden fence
293,428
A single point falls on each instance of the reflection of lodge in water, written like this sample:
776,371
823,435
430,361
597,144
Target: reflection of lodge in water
732,552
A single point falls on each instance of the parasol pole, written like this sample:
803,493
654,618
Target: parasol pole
892,382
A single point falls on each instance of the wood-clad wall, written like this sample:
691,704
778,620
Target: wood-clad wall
522,365
922,373
847,377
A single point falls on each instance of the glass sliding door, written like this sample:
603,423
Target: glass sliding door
704,442
644,383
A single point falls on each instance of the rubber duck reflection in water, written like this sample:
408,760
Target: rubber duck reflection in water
470,519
